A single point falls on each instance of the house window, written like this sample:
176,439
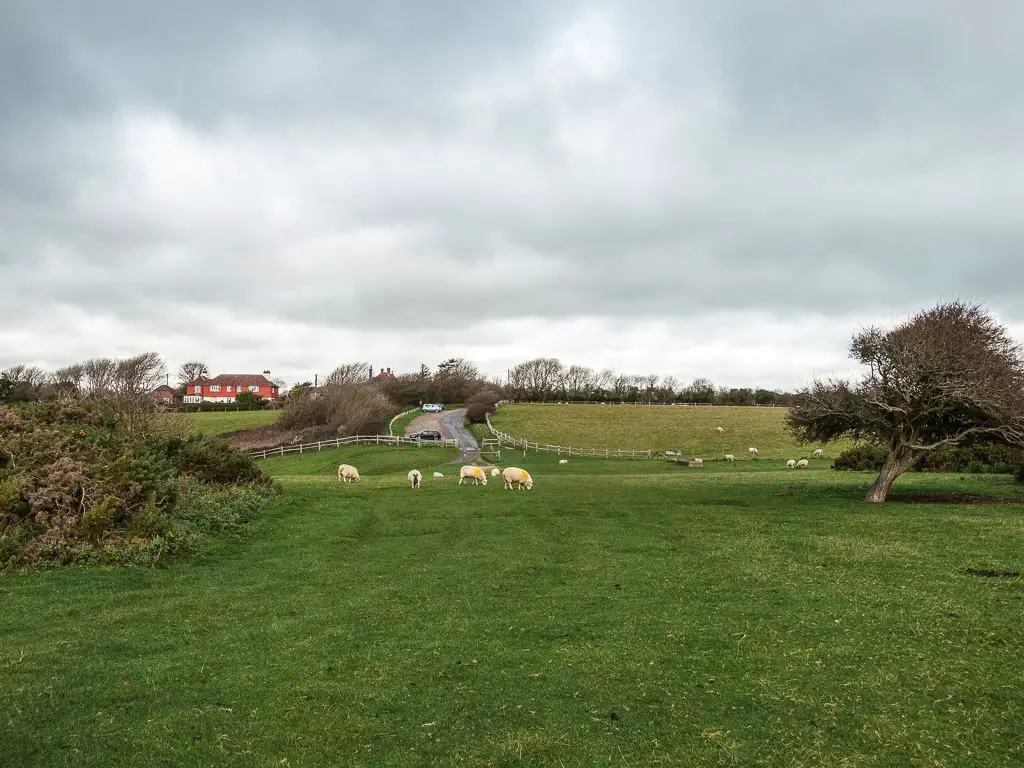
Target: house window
254,388
197,389
229,387
215,387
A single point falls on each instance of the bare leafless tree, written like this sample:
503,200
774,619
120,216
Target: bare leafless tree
192,370
349,373
650,385
576,382
947,376
69,377
98,375
140,374
29,375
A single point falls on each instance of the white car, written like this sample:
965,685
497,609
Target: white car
433,407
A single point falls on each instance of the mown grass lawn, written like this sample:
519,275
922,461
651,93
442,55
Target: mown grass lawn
689,429
215,423
620,613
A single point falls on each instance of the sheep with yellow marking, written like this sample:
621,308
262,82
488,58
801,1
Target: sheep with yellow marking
470,472
518,477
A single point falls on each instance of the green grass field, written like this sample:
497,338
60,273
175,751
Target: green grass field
398,428
222,422
639,427
620,613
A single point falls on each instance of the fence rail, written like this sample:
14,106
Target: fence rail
338,442
639,402
505,439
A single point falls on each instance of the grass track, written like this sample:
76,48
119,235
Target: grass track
732,615
639,427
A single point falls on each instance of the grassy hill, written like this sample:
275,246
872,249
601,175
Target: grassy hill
625,613
687,429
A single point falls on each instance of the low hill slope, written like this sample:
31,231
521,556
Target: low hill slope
689,429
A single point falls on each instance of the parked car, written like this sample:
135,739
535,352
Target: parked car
426,434
433,407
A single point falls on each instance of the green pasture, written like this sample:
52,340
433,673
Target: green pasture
690,429
214,423
620,613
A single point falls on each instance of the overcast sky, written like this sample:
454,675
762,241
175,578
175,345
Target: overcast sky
726,189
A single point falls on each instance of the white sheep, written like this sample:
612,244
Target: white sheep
438,474
730,457
791,463
752,452
348,473
414,478
563,461
720,430
517,476
818,453
495,471
696,462
802,464
470,472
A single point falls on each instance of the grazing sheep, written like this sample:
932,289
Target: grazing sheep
791,463
752,452
438,474
696,462
563,461
414,478
720,430
517,476
730,457
470,472
348,473
818,453
802,464
495,471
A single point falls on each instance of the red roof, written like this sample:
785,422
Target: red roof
164,388
240,379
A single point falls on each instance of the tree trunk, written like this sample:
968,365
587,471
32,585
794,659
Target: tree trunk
896,463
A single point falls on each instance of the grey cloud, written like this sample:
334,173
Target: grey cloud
786,158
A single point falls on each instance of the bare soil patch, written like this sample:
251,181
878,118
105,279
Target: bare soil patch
948,498
427,421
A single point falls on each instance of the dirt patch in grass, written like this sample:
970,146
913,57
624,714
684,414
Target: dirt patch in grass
993,574
948,498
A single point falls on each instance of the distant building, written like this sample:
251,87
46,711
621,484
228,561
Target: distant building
385,374
163,394
224,388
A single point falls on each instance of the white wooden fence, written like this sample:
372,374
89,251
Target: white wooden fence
638,402
338,442
391,424
505,439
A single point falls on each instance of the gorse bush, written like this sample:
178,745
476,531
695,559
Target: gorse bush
80,484
977,458
862,457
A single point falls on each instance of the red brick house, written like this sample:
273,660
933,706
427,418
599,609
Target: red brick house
163,394
385,374
223,388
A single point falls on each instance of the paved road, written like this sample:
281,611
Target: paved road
469,449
